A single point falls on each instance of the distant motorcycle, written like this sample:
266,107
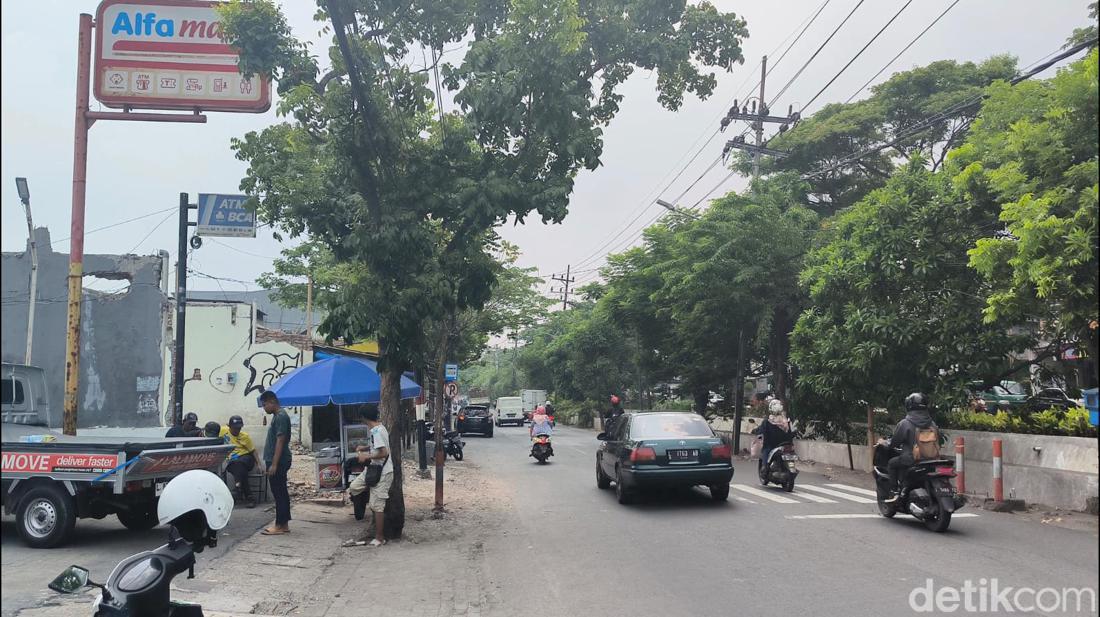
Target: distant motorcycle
541,448
926,490
780,467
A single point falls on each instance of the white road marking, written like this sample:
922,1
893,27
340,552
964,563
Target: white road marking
864,515
830,492
746,500
584,452
814,498
763,493
855,489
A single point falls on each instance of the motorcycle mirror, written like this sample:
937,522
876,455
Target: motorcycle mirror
752,421
602,436
71,580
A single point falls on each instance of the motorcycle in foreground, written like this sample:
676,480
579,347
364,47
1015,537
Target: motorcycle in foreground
541,448
926,490
452,444
196,507
779,468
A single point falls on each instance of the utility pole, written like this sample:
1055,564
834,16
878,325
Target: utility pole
181,309
25,198
566,281
309,307
739,391
760,123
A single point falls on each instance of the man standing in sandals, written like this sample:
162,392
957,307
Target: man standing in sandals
377,454
277,462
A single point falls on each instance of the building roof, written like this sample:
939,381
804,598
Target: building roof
272,315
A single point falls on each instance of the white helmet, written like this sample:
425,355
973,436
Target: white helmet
775,406
196,490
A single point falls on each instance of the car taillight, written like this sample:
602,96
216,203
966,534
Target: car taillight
788,448
721,452
642,455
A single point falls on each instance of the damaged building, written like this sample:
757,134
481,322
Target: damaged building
123,331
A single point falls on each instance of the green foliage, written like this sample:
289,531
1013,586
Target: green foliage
1034,152
1071,422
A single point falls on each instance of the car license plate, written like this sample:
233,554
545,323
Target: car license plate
944,490
681,456
790,457
159,488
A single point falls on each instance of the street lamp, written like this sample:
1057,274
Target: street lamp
25,198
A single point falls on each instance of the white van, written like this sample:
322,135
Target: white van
509,411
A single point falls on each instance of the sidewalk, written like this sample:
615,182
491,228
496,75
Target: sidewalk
435,570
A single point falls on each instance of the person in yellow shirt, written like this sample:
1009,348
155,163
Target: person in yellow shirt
242,459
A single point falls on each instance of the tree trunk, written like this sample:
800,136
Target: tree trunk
702,397
392,418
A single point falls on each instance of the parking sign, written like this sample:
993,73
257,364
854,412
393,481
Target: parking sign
225,215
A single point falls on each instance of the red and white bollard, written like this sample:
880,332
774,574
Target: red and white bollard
960,470
998,480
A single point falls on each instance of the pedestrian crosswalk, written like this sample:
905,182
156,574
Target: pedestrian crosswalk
804,493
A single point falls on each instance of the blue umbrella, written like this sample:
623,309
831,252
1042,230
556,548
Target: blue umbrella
340,380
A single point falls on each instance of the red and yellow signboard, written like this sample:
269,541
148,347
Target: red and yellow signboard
169,54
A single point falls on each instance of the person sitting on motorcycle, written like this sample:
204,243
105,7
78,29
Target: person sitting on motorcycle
540,423
917,417
776,430
612,415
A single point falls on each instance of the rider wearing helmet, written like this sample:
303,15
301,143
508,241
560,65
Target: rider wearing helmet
775,431
540,423
198,504
917,417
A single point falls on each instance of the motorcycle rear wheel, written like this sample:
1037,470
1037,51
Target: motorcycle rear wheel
940,523
457,454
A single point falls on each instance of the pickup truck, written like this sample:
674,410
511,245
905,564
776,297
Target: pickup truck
49,480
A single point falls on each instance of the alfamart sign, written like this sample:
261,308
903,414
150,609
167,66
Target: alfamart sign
169,54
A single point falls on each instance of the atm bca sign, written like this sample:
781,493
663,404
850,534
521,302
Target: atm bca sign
169,54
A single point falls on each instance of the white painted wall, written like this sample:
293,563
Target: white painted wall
220,343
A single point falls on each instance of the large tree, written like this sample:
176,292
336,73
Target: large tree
369,165
1033,153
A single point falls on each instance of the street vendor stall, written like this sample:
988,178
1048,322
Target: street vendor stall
338,381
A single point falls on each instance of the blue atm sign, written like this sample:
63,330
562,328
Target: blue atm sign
225,215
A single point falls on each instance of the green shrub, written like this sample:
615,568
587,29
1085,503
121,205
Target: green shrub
1073,422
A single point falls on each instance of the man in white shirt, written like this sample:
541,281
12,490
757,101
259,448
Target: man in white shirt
377,454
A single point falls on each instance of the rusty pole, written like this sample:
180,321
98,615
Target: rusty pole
76,231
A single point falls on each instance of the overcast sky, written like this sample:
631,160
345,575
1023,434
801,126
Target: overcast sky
138,169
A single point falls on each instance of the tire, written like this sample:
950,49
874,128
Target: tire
624,495
602,481
489,434
763,478
789,485
142,520
458,454
887,510
940,523
720,492
46,516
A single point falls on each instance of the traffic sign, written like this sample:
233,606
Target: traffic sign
225,215
169,54
451,372
451,390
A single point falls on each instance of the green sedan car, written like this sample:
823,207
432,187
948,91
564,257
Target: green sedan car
662,449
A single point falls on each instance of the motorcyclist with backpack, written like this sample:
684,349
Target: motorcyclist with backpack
612,416
916,436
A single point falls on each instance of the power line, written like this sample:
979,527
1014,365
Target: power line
791,46
112,225
947,113
151,231
904,49
818,51
858,54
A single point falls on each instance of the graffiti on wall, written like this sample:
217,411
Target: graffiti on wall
265,368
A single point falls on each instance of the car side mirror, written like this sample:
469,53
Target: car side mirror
602,436
752,421
72,580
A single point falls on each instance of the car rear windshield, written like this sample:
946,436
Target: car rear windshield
477,411
667,426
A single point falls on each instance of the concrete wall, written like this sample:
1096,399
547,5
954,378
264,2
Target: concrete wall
1061,472
121,353
236,362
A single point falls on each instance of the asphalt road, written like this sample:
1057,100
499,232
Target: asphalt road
571,549
98,546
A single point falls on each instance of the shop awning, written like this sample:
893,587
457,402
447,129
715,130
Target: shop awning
340,380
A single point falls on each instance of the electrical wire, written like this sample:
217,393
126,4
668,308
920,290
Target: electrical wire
151,231
903,50
818,51
113,225
858,54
